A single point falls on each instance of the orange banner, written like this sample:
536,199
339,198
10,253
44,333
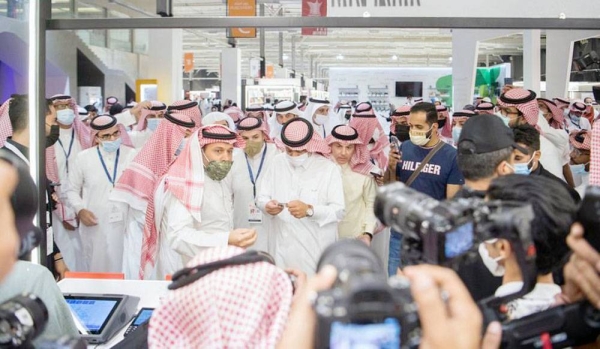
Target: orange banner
241,8
188,62
270,71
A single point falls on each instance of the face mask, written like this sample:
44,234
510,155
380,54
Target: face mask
153,123
53,136
574,117
65,116
491,263
111,146
578,169
456,134
441,123
181,146
347,116
320,119
297,161
421,139
217,170
253,148
403,132
504,119
523,169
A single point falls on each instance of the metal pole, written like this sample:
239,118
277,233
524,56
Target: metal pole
311,66
281,49
302,68
39,12
293,53
263,59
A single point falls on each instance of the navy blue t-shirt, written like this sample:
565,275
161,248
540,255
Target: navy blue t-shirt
441,170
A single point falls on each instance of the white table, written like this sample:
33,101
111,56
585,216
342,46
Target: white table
149,292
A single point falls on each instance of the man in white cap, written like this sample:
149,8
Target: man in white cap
360,188
74,137
136,186
248,170
318,113
193,204
284,111
303,192
91,180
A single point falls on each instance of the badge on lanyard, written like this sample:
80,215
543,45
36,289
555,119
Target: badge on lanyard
254,214
115,215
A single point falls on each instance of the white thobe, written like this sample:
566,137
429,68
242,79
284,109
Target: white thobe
299,243
90,189
68,241
139,138
585,181
244,199
554,146
359,196
582,124
181,237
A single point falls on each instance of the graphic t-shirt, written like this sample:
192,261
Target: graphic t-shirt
441,170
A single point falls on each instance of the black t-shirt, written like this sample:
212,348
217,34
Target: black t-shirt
541,171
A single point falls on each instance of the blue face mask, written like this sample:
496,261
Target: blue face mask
153,123
111,146
578,169
504,119
65,116
524,168
456,133
181,146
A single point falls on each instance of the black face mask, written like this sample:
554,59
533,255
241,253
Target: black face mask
347,116
402,132
441,123
53,136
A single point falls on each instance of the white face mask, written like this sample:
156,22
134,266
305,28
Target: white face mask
320,119
456,133
65,116
421,138
297,161
491,263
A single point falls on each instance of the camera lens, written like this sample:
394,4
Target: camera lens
22,318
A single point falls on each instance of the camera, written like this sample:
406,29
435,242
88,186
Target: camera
364,308
22,318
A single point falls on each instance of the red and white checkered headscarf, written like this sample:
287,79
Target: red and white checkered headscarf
558,118
364,120
251,123
578,107
241,306
485,108
185,180
190,109
581,140
463,115
235,113
5,126
103,122
82,131
595,155
525,101
258,111
402,112
446,131
562,103
360,161
298,134
137,183
156,108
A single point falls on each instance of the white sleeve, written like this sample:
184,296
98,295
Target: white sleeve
126,118
264,194
73,192
333,210
182,235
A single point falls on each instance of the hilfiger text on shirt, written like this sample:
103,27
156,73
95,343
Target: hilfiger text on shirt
428,168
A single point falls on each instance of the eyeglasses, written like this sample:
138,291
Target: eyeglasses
115,135
508,112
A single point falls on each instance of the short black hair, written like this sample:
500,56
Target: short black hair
429,110
90,107
18,112
527,135
554,212
481,166
116,109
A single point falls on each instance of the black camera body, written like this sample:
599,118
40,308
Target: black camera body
22,319
363,306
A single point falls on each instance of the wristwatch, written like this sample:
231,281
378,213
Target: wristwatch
309,211
369,235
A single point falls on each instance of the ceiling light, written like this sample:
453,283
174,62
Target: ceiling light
285,57
394,58
340,56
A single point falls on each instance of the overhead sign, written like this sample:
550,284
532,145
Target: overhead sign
314,8
241,8
464,8
188,62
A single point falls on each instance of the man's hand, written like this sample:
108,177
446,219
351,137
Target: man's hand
393,160
366,238
297,208
87,218
272,207
242,237
582,271
454,323
68,226
299,282
60,266
137,110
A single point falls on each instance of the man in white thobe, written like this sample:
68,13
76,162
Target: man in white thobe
92,179
248,169
193,204
360,187
303,191
319,113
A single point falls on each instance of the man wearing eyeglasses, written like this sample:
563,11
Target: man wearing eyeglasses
93,175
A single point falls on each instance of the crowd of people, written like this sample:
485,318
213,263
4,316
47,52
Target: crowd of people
150,189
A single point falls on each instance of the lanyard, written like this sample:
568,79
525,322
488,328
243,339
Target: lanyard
114,177
574,123
252,179
67,155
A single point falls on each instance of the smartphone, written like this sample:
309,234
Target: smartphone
142,316
589,216
395,143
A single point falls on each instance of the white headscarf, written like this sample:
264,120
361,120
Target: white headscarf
212,118
332,118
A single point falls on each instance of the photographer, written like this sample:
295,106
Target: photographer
554,211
